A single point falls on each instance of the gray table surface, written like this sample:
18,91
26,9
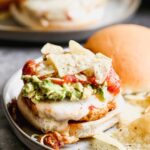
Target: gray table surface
13,57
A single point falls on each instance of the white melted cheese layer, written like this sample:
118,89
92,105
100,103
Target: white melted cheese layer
68,110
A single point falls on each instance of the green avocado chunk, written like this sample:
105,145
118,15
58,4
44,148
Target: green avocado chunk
38,90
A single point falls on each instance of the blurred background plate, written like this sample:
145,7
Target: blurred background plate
113,12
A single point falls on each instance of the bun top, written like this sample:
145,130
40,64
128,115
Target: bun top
129,47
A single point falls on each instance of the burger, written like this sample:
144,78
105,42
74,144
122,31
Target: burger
128,46
58,15
69,94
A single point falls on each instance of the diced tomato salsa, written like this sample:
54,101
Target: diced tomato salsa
29,68
113,82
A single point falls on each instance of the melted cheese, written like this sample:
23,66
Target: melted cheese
66,110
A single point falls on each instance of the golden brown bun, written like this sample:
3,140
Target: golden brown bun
129,47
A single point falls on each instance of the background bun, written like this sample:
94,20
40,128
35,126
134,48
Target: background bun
129,47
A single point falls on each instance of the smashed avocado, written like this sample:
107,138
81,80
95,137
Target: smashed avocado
37,90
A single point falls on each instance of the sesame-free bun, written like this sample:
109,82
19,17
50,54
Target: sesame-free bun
129,47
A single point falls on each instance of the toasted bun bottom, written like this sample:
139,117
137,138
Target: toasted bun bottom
80,130
25,19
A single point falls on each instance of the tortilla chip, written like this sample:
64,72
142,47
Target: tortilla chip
102,67
69,64
51,49
76,48
76,60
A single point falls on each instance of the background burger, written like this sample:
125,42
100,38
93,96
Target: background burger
54,14
69,95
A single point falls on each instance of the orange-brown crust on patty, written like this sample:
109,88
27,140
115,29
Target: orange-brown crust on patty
96,113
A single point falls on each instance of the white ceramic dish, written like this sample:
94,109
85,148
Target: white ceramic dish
115,11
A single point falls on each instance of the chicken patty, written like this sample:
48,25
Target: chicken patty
96,113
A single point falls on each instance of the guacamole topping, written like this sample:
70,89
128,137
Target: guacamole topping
41,90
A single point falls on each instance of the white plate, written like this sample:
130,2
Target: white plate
115,11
